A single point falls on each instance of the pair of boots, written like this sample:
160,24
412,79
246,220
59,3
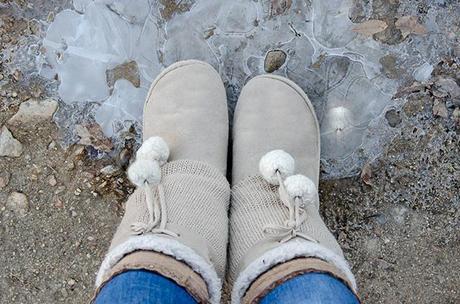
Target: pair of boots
182,216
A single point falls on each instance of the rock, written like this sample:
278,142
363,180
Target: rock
448,86
456,116
423,72
52,181
440,109
393,118
274,60
92,135
109,170
52,145
366,174
127,70
390,66
18,203
34,111
279,7
4,179
58,203
9,146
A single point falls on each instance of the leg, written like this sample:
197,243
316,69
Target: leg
276,231
142,287
311,288
175,222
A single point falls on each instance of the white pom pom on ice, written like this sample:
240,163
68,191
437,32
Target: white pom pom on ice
273,161
144,170
301,186
154,148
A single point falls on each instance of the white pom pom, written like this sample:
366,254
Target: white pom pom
154,148
144,170
273,161
302,187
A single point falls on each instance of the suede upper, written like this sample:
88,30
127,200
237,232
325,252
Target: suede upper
274,113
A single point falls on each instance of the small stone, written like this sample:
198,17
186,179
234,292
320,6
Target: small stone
60,189
18,203
9,146
456,116
34,111
448,86
77,191
440,109
58,203
274,60
4,179
393,118
52,145
52,181
71,282
390,66
366,174
73,213
70,165
128,70
109,170
423,72
92,135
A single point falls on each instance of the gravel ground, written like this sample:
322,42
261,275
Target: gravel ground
399,222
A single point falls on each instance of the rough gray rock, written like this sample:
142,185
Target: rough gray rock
9,146
18,203
34,111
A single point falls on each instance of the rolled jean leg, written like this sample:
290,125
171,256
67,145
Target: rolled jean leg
311,288
142,287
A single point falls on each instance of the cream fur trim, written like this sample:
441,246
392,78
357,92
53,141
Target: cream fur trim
169,247
288,251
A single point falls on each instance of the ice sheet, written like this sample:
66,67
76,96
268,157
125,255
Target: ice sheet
339,69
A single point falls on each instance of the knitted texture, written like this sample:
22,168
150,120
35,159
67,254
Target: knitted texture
256,204
197,198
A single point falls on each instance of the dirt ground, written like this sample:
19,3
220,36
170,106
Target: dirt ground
398,223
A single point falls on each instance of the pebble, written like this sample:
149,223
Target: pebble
60,189
34,111
18,203
456,116
70,165
71,282
274,60
52,145
393,118
109,170
440,109
4,179
52,181
9,146
58,203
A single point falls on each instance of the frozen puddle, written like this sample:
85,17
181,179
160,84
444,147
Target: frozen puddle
310,43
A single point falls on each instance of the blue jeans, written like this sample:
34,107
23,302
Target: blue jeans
142,287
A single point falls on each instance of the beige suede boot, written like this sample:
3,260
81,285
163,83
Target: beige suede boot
176,220
276,231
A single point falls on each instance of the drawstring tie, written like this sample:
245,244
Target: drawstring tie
145,172
295,191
